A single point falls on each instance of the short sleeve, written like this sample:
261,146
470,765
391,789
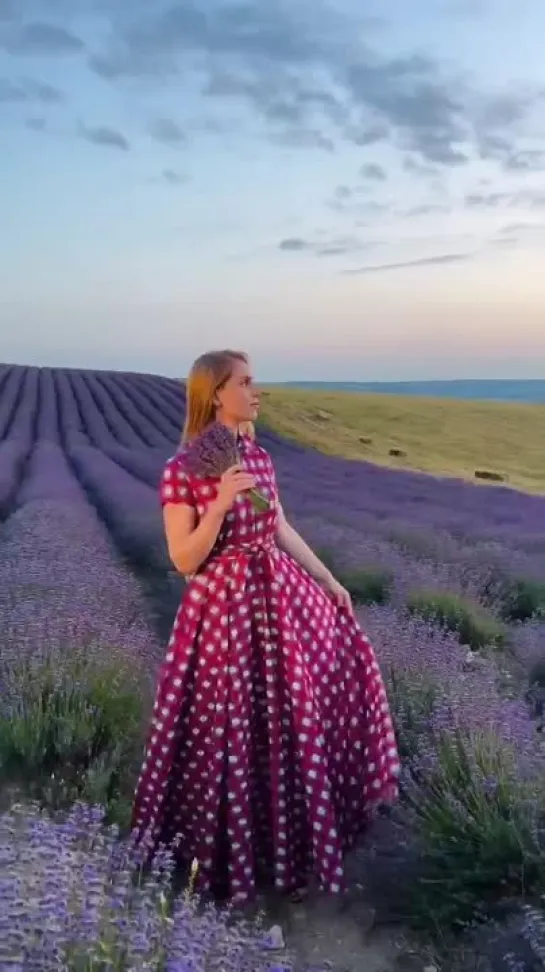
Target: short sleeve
175,486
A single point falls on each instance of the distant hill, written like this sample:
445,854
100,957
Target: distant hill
452,437
500,389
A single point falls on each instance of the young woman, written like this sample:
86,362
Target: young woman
271,739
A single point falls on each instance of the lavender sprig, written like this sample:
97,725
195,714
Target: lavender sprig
212,453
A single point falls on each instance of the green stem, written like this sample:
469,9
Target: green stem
260,503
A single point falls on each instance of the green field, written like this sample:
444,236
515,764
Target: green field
441,436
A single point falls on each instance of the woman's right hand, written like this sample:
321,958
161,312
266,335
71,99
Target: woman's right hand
234,481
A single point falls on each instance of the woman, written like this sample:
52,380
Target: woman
271,739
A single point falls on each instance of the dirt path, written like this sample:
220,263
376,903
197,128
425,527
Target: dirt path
323,934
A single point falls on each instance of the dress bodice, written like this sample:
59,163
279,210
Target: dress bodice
243,525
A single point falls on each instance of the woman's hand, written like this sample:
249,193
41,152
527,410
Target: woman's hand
338,593
236,480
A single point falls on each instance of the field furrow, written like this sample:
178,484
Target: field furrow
47,421
151,409
62,585
149,432
123,418
13,455
12,396
170,400
72,423
114,423
126,505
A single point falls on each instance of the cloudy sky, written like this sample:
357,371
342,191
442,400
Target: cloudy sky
351,189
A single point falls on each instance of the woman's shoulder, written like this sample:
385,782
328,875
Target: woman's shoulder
254,451
175,465
175,485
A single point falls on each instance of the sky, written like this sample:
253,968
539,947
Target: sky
347,189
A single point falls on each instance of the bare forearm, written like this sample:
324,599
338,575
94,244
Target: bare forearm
188,553
295,546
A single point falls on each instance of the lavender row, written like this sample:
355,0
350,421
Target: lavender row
148,421
47,412
61,584
145,466
108,405
473,577
11,392
71,417
128,507
13,455
458,508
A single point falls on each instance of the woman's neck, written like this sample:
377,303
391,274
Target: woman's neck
229,424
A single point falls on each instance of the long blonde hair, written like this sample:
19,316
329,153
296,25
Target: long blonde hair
207,375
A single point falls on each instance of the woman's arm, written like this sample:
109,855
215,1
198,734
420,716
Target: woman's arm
290,541
189,545
295,546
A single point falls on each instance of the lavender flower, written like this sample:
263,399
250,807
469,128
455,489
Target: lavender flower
72,896
212,453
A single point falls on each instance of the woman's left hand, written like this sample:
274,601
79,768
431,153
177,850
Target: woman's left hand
338,593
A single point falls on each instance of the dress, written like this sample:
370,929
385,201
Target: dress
271,737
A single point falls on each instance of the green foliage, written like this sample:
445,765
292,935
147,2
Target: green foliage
524,599
328,559
366,585
473,625
72,731
478,827
412,697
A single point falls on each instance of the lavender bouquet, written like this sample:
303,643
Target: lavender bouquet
212,453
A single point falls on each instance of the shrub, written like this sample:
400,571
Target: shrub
328,559
471,623
366,585
70,728
478,822
88,905
412,697
524,599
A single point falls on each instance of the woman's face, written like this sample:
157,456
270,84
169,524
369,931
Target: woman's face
238,400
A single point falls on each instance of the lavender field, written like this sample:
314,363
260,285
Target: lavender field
449,581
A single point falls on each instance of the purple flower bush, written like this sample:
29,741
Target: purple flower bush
73,896
473,777
81,455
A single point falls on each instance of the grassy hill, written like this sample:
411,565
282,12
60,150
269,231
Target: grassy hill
441,436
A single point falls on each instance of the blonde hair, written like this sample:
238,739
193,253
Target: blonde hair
208,374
